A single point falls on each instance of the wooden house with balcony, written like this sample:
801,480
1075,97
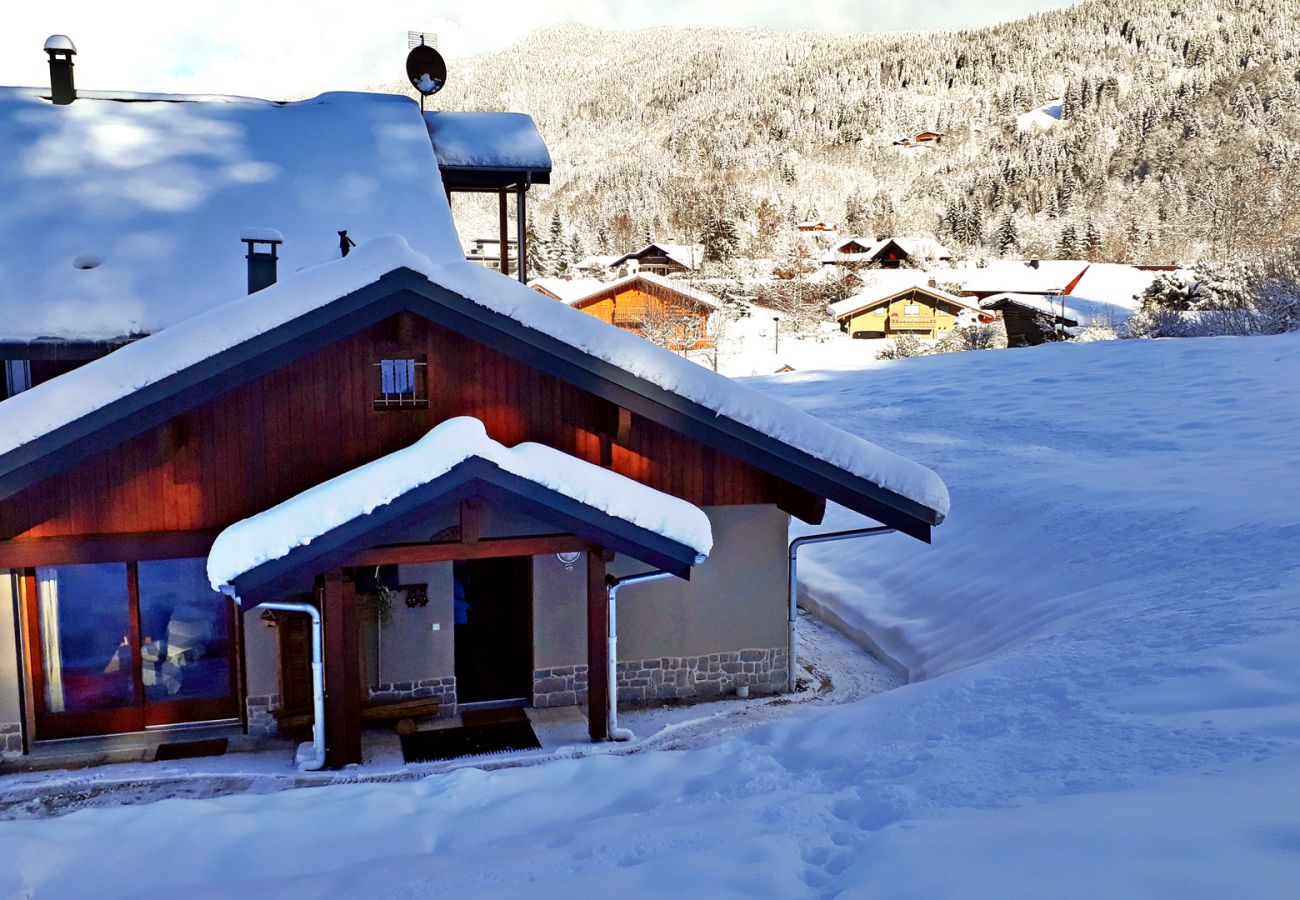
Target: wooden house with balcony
665,311
924,312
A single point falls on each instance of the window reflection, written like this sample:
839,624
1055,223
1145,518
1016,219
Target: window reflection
184,627
85,637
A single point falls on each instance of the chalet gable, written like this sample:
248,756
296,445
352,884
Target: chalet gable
57,425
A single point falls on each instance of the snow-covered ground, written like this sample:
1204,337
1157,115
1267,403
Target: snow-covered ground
1105,635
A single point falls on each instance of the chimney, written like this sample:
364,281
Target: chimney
1033,264
263,254
61,50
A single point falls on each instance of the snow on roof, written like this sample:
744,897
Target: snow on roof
296,522
1046,116
490,140
593,287
922,247
71,396
260,234
160,191
1080,310
885,283
1049,276
688,255
1115,284
570,290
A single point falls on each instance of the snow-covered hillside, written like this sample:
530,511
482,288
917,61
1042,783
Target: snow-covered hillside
1173,130
1108,624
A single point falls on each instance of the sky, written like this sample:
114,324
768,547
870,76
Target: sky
278,48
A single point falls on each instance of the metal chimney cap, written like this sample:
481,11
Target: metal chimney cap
60,42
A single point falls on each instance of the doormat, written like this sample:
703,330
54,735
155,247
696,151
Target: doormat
191,749
472,740
473,717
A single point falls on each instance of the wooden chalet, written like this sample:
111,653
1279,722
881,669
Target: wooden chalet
884,252
661,259
917,310
668,312
396,423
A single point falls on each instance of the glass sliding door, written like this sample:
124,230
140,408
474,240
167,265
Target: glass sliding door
86,678
187,645
118,647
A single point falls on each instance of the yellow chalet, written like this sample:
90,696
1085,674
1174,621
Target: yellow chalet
914,309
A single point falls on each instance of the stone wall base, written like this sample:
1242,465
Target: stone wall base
11,739
764,670
717,674
442,688
261,714
560,686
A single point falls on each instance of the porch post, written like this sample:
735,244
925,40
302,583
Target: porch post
597,646
342,672
504,232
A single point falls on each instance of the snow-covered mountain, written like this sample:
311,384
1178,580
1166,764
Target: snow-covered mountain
1178,132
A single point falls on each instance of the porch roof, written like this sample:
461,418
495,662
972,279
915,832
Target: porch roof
282,549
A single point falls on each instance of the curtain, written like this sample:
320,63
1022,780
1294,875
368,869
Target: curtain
47,591
397,376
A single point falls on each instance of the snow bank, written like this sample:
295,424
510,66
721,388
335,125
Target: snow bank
1115,609
71,396
300,520
160,191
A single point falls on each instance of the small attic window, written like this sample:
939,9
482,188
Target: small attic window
400,382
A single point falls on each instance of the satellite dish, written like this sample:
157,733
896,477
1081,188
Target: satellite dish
426,69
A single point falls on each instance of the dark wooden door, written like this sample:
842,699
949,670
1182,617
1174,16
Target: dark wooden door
494,629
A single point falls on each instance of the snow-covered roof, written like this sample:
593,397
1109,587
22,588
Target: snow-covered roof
890,287
1114,283
160,192
569,290
591,287
489,140
688,255
296,522
1045,276
75,395
1046,116
1079,310
919,247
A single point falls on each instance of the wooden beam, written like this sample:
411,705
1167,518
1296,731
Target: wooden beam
23,553
342,672
412,554
505,233
597,648
802,504
471,521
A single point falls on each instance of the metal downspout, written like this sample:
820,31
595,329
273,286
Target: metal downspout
317,758
793,585
611,720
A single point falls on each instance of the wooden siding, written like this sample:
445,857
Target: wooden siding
629,305
312,420
937,316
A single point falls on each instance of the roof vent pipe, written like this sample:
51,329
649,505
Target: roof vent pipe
345,243
263,256
61,50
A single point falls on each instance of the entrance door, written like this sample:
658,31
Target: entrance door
118,647
494,629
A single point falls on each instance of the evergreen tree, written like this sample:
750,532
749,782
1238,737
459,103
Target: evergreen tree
1007,238
535,259
556,249
719,238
